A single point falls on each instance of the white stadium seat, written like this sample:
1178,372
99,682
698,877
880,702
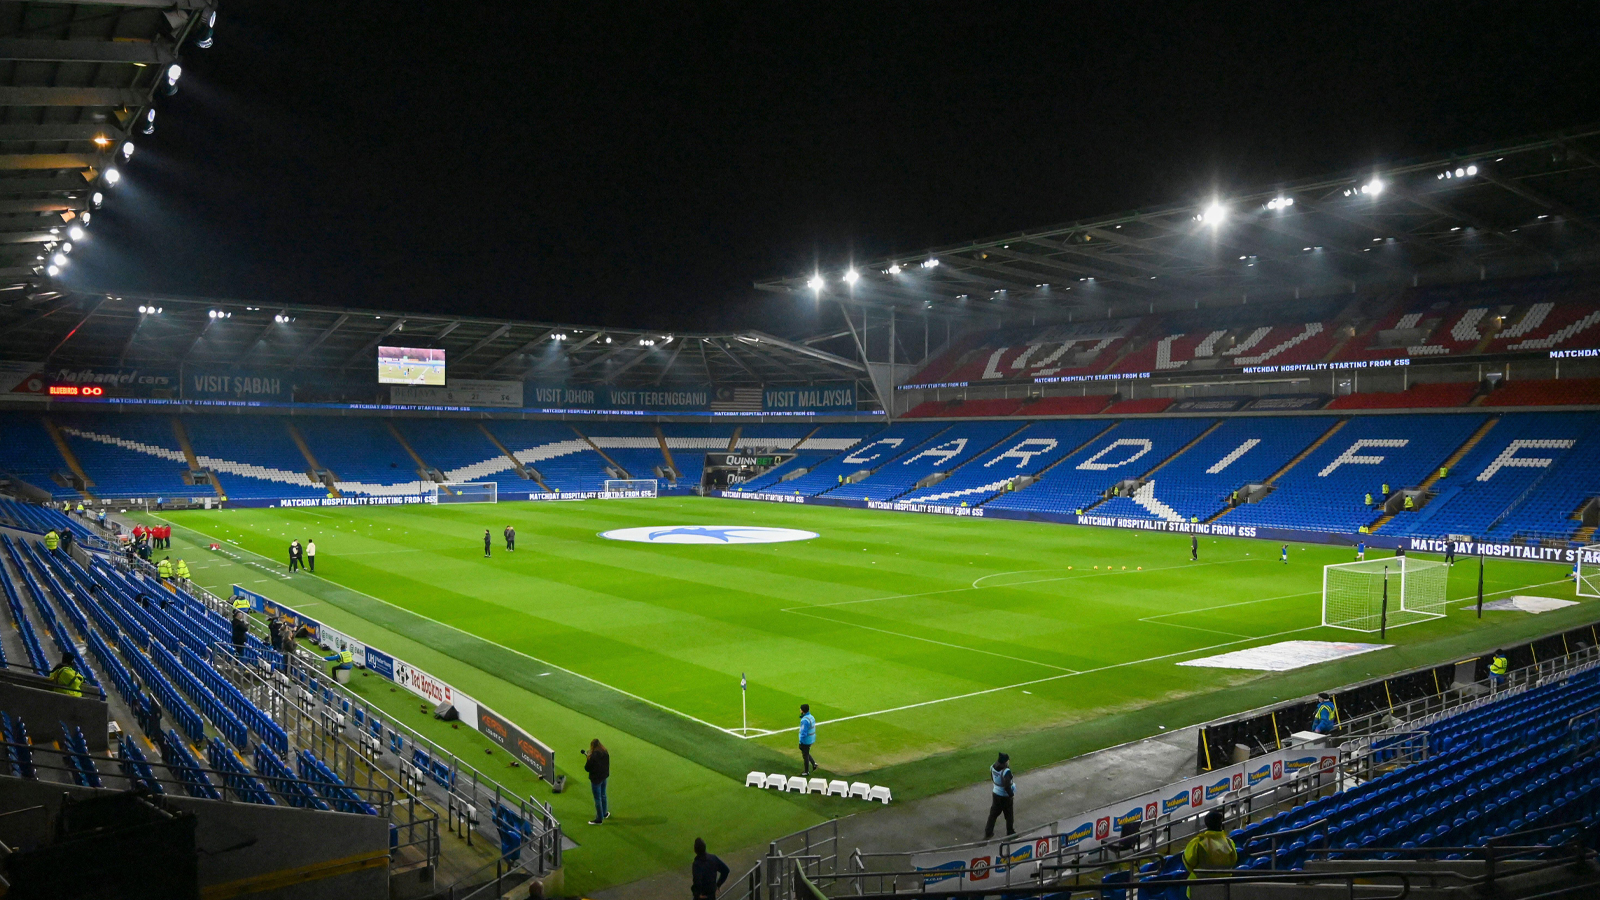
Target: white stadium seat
778,780
756,779
837,788
879,792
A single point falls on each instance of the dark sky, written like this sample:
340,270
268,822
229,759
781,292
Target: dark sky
590,163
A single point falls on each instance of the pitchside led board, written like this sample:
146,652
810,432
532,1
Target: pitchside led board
411,365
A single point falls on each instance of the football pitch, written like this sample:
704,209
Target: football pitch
922,643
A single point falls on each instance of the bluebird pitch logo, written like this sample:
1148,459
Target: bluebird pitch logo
708,534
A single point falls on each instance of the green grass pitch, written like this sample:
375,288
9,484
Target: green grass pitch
923,643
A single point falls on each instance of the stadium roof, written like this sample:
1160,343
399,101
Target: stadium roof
77,84
1510,210
329,342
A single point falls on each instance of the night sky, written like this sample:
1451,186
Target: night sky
589,163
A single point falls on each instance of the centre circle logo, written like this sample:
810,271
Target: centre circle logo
708,534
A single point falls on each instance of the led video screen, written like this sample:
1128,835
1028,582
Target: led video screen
410,365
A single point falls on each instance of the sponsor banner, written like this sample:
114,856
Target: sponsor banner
691,397
1328,367
121,381
1573,354
1124,376
461,392
1208,404
757,495
746,460
837,396
209,385
338,640
1016,860
935,508
380,663
422,684
539,759
392,500
268,606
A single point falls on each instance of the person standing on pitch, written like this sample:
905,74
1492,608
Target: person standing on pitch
1450,552
486,543
1283,555
294,556
1194,548
311,556
511,538
808,736
707,874
1004,795
597,762
1361,550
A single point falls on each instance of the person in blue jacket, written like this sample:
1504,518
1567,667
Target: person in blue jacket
1323,720
808,736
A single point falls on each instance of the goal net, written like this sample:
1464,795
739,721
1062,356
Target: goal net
630,487
1589,571
466,492
1353,593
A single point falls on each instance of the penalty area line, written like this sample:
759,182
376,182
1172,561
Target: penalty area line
595,681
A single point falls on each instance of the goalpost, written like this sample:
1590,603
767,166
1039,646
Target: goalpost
465,492
1589,571
1378,594
630,487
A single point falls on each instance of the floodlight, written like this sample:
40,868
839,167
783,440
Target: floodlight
1373,187
84,218
66,247
113,176
894,269
930,264
851,276
75,233
96,199
208,31
1214,214
53,270
142,309
59,259
1461,173
174,72
149,122
127,149
1472,170
816,282
608,340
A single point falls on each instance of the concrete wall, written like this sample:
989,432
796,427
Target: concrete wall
41,709
267,852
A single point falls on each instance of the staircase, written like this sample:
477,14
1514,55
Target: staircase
69,458
182,434
1271,479
611,463
733,442
327,479
1449,463
521,469
424,471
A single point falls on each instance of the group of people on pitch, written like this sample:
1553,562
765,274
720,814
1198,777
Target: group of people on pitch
488,540
303,556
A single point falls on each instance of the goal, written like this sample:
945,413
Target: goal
466,492
1589,571
630,487
1376,594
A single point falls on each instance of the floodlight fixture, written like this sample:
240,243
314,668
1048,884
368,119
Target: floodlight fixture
53,270
174,72
59,259
75,233
1374,187
112,176
894,269
930,263
816,282
127,149
1213,214
851,276
96,199
149,122
208,31
66,247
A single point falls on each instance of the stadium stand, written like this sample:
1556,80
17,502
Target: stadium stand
31,456
633,446
765,436
1022,454
872,453
1418,396
132,456
565,460
1326,490
1067,406
363,454
943,453
1084,348
254,456
1198,483
961,409
1128,450
818,445
689,444
1550,392
1138,407
1486,487
449,444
